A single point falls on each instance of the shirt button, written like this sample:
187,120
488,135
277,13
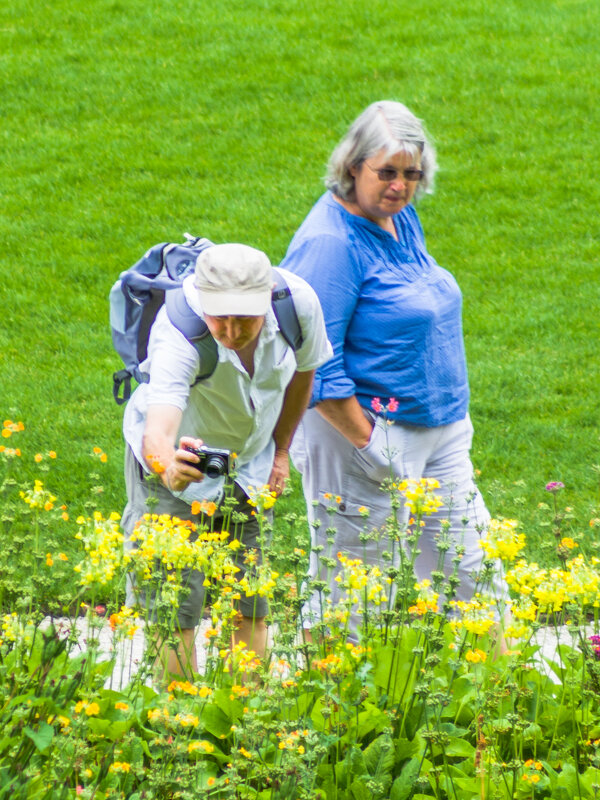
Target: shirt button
342,506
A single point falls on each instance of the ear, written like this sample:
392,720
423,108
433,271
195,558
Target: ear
353,170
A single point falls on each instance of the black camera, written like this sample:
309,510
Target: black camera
213,463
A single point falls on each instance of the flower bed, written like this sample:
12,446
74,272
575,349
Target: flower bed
423,703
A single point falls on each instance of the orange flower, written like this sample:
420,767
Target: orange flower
204,507
156,464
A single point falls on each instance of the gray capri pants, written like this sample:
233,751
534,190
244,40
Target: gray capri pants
330,464
193,604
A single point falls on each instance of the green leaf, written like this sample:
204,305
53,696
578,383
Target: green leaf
372,719
566,784
215,721
101,727
532,733
359,790
404,783
42,737
231,708
379,756
460,747
352,766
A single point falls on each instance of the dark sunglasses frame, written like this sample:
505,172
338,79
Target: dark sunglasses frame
387,174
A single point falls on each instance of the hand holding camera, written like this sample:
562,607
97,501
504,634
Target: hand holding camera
211,461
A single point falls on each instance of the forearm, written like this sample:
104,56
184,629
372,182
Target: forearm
346,416
174,466
295,403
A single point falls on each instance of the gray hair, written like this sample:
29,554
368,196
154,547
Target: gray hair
385,125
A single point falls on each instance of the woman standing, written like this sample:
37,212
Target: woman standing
393,316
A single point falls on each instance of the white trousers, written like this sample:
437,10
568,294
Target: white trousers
331,466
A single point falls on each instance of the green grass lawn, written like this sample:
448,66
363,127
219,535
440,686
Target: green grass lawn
126,124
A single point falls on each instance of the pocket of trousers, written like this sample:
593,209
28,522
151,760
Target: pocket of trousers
374,458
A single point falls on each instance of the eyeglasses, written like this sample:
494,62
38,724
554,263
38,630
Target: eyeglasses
387,174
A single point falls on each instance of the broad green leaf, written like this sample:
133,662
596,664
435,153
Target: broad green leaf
372,719
404,783
42,737
351,767
100,727
229,705
459,747
359,790
215,721
379,756
407,748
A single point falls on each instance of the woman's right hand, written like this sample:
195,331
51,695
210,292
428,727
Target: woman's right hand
348,418
374,458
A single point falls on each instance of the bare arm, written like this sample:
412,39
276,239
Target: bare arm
162,425
347,417
295,403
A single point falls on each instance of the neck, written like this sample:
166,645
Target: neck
387,223
246,356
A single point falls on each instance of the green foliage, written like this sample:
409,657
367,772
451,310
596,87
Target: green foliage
417,703
129,123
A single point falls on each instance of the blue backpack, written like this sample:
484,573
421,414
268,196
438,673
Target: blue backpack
155,280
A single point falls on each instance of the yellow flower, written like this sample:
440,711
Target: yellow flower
91,709
476,656
120,766
183,686
245,752
420,497
187,720
38,457
502,540
204,746
262,498
568,543
120,706
38,497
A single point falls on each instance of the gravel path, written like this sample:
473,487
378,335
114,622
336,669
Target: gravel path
131,651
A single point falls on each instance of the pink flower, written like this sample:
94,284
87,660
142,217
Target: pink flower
392,406
554,486
376,405
79,789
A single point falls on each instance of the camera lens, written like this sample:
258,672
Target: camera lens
215,466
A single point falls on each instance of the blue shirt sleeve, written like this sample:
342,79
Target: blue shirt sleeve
326,262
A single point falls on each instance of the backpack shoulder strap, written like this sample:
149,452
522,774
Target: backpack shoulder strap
194,329
282,303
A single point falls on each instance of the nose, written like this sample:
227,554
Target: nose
232,327
398,184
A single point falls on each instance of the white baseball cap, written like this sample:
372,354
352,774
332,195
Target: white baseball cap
233,280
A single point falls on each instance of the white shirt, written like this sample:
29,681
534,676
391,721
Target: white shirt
229,410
